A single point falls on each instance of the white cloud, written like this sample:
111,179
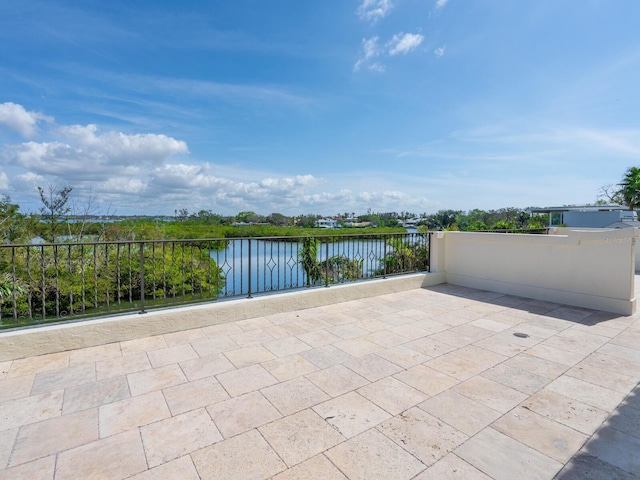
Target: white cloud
404,43
370,49
4,182
16,118
374,10
441,3
87,155
439,52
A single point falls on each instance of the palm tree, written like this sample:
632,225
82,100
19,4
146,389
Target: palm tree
630,188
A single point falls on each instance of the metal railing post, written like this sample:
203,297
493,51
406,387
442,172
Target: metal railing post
249,270
326,265
384,257
142,278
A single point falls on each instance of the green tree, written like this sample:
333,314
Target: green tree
54,205
630,188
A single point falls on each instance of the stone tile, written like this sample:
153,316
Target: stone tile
430,347
239,414
453,339
54,435
155,379
503,458
193,395
116,367
540,433
587,467
372,325
617,448
460,412
427,380
184,337
316,468
286,368
206,366
4,369
409,332
502,346
300,436
327,356
516,378
452,467
563,357
538,366
577,342
567,411
214,345
246,356
358,347
337,380
423,435
319,338
171,355
613,364
294,395
286,346
181,468
492,325
239,458
403,356
143,345
284,331
95,394
42,363
254,323
42,469
119,456
7,439
430,325
386,338
346,332
251,338
490,393
612,380
177,436
132,413
372,367
586,392
392,395
95,354
65,377
351,414
373,456
465,362
17,387
222,329
27,410
629,339
245,380
618,351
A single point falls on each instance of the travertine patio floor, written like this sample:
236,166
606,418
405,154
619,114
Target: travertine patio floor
423,384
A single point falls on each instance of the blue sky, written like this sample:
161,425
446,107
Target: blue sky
300,107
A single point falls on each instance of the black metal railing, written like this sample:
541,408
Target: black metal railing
46,283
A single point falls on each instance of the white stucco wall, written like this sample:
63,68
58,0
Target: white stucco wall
586,268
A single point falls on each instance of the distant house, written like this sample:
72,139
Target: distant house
327,223
590,216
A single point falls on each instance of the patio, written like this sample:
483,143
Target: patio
434,383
